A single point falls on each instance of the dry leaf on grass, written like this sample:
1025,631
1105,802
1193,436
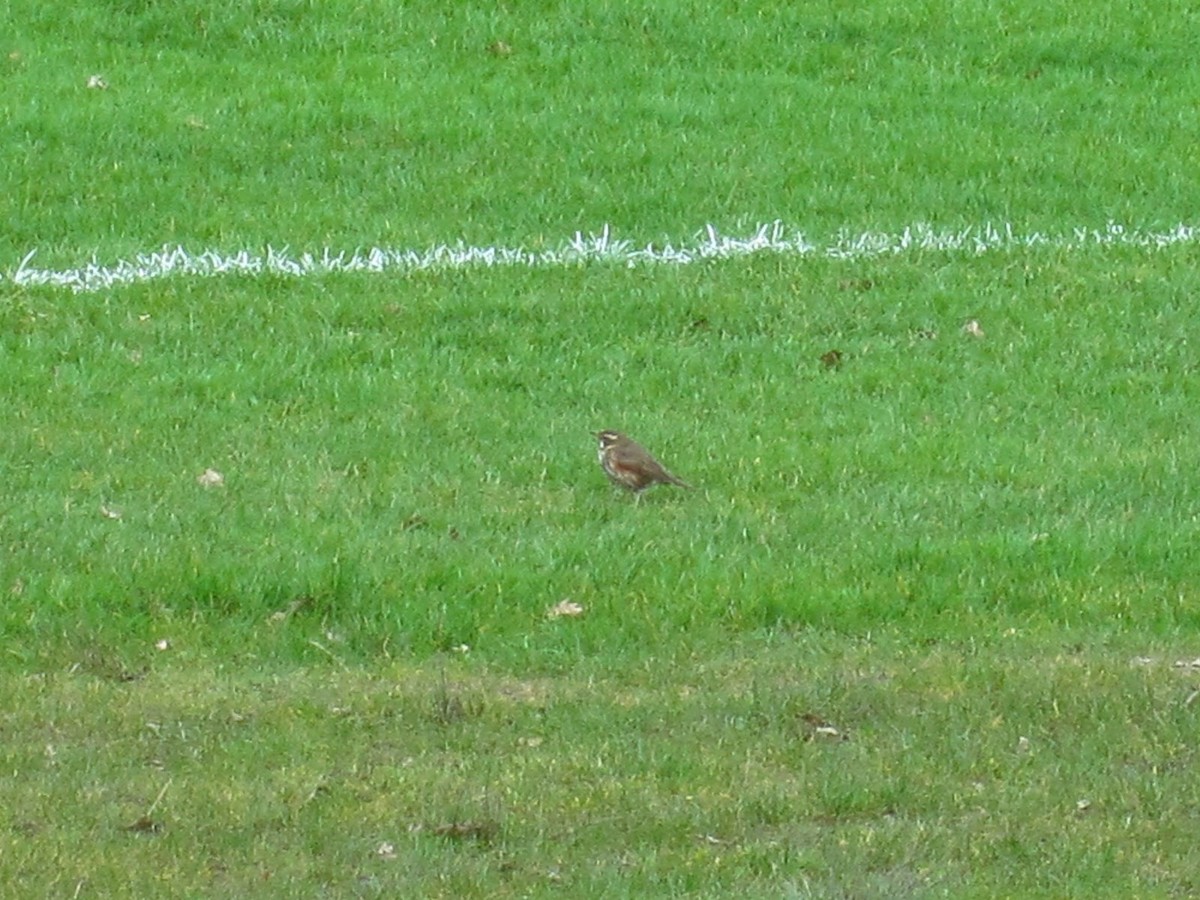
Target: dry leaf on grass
564,607
144,825
482,831
856,284
210,478
831,359
816,727
282,615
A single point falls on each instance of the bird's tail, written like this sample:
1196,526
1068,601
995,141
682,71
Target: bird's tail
676,480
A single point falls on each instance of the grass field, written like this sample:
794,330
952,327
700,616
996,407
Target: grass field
280,555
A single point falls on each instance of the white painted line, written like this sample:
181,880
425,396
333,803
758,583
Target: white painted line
593,248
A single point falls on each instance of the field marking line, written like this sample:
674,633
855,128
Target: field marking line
581,249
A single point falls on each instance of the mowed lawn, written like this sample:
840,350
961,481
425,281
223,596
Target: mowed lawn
314,586
808,764
304,124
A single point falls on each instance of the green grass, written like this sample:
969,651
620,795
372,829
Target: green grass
1004,766
292,122
415,457
947,544
334,674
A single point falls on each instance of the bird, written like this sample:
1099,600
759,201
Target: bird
630,465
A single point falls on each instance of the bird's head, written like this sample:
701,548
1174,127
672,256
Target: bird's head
608,438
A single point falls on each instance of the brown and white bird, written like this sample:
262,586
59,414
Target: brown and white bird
630,465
